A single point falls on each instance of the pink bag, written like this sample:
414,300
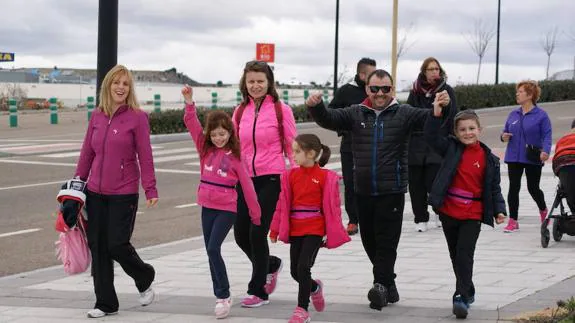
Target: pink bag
72,249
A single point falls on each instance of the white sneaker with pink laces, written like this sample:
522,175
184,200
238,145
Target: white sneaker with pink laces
223,306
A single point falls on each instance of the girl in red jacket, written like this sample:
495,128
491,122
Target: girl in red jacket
221,170
308,209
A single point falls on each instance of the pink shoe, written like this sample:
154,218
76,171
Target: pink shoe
512,226
272,280
253,301
223,306
317,297
300,316
543,214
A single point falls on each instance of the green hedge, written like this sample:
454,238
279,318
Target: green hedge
487,96
171,121
467,96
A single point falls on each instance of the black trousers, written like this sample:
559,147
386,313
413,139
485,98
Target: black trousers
252,239
380,218
303,251
349,192
533,174
421,179
110,225
567,179
461,236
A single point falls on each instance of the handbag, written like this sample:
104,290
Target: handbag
72,248
532,152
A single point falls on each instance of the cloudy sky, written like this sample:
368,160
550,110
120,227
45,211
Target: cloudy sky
211,40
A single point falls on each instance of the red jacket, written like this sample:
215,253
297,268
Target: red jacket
336,235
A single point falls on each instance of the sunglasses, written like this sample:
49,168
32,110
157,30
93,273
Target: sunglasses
385,88
256,63
465,112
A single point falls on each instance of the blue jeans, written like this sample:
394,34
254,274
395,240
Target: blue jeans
216,224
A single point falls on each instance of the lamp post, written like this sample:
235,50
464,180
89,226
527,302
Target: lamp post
497,47
394,42
107,41
336,46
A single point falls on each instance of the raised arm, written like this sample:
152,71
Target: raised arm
433,136
332,119
191,119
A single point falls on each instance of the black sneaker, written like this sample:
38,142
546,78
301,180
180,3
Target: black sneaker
377,296
392,294
460,307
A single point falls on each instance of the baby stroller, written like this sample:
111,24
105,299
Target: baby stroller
563,223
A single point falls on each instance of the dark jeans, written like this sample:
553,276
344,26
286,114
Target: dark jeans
303,251
533,174
110,225
252,239
567,179
421,179
380,218
461,236
347,172
215,225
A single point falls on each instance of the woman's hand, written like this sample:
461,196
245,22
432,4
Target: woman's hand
500,218
187,92
506,136
544,156
151,202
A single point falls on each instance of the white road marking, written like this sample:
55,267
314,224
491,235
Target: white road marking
33,147
12,145
31,162
3,235
566,118
172,151
30,185
177,171
175,158
335,165
193,164
185,205
494,126
62,155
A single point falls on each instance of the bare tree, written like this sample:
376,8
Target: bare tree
403,46
342,77
548,44
14,91
479,40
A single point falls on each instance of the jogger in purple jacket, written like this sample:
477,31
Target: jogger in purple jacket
527,128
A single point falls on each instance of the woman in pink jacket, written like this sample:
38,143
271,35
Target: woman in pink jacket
221,170
266,128
308,210
117,142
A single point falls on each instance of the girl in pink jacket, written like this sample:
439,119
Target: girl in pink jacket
307,211
221,169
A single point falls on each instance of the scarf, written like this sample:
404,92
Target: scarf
422,87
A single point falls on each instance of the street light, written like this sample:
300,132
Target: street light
497,48
107,41
336,46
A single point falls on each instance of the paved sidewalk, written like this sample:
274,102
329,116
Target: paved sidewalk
513,274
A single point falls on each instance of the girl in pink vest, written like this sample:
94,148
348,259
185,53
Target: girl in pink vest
221,170
307,211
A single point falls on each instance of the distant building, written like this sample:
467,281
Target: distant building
563,75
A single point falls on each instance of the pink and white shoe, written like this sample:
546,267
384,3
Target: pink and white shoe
543,214
223,306
512,226
317,298
272,280
253,301
300,316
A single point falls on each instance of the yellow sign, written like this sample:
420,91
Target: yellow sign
6,57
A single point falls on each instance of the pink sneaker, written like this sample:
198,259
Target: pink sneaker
512,226
317,297
253,301
543,214
300,316
223,306
272,280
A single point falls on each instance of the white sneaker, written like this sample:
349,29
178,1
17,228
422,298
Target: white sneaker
223,306
146,298
421,227
97,313
436,220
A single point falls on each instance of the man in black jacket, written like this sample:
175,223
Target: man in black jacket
345,96
379,128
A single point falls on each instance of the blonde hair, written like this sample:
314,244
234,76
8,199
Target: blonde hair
106,101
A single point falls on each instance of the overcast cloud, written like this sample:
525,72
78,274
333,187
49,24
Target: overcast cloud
211,40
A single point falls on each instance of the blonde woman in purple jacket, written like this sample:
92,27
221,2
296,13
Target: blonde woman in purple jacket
115,155
221,172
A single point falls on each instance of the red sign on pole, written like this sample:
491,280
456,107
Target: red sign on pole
265,52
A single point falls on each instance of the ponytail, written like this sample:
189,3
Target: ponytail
325,154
